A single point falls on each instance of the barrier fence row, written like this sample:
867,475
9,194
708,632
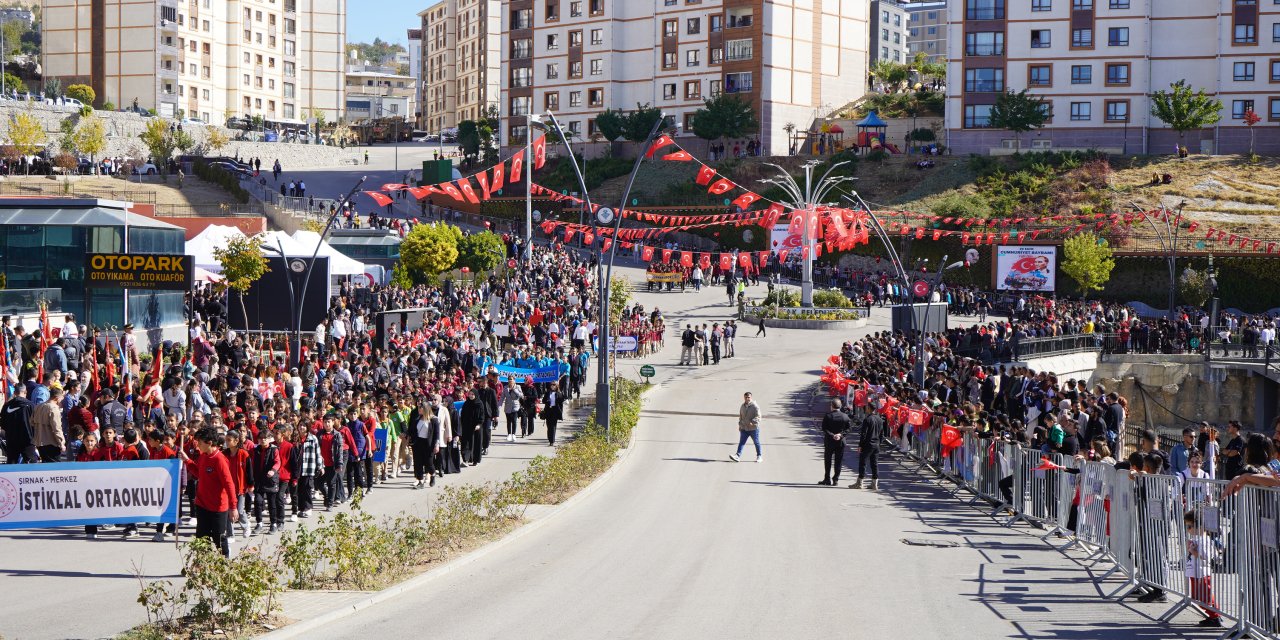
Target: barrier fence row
1185,537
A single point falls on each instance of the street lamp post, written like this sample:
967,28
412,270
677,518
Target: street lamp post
807,199
306,280
530,119
1168,239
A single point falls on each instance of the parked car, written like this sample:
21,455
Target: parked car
232,167
73,103
147,168
193,121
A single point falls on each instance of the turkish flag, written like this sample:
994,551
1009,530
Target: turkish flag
468,191
452,191
916,417
704,261
549,226
605,244
496,182
662,141
744,259
721,186
726,261
951,439
646,254
705,174
394,187
666,255
764,259
539,152
588,238
379,198
782,255
568,235
860,397
517,165
686,258
419,192
483,179
679,156
745,200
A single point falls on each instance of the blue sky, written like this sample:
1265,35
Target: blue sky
386,19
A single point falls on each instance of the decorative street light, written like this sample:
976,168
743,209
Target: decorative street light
805,201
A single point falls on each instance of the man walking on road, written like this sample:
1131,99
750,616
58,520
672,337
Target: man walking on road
869,446
761,331
834,426
748,427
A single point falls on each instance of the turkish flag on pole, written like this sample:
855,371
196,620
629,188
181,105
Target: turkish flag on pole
666,255
704,261
379,198
662,141
764,259
951,439
686,258
468,191
496,182
539,151
419,192
705,174
744,260
726,261
646,254
721,186
605,244
588,238
517,165
483,179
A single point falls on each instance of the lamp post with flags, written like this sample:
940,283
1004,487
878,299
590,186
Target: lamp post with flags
805,202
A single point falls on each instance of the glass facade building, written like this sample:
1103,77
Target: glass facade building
43,242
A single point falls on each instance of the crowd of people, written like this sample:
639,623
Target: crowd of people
265,437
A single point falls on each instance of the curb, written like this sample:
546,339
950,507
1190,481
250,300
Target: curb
304,626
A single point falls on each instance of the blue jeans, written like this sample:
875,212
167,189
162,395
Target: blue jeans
754,434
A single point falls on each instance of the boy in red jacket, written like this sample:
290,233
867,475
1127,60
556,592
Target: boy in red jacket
216,496
242,481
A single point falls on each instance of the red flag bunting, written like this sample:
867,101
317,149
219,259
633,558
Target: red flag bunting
679,156
517,166
662,141
705,174
539,151
379,198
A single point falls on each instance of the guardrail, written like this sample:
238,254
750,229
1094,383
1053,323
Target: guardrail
1021,350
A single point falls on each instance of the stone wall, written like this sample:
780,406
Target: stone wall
1174,391
123,129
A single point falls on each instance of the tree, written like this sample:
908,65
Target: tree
52,87
91,138
640,122
243,264
215,139
13,32
26,134
480,251
612,124
469,139
1088,260
1193,287
162,141
82,92
725,116
893,76
67,129
428,251
1019,112
14,83
1250,119
1184,110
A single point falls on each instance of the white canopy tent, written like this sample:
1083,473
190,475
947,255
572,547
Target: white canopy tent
339,263
300,245
213,237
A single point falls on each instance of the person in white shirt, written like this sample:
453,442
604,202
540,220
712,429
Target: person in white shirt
696,277
69,329
580,335
320,337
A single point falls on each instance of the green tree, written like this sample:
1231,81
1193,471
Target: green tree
82,92
162,141
91,138
469,139
1088,259
243,264
13,32
1193,287
67,129
215,140
1183,109
14,83
640,122
428,251
893,76
480,251
376,52
725,116
52,87
26,135
611,124
1019,112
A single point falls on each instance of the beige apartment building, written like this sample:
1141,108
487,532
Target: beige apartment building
461,45
206,59
927,29
793,60
1096,62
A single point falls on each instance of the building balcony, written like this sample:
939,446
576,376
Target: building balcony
167,72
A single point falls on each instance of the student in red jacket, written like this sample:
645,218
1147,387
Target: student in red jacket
242,481
90,452
216,497
288,484
160,451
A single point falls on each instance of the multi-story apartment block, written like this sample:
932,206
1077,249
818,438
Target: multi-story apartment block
278,59
1095,64
461,47
927,29
377,94
889,31
792,60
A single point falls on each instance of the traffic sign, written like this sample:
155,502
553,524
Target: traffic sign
920,288
647,371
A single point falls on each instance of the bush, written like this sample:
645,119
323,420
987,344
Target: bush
224,179
923,134
218,593
961,206
782,297
86,111
831,298
879,155
108,106
82,92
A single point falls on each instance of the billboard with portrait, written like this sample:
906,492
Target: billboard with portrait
1026,268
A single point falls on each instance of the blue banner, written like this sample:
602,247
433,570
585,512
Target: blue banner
549,373
380,436
34,496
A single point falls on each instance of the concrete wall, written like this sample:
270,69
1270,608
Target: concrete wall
1183,389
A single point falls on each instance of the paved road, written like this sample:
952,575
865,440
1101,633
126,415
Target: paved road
684,543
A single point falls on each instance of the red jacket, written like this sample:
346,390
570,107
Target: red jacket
241,480
215,487
163,452
286,470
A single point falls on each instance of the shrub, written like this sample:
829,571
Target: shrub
218,593
108,106
879,155
923,134
782,297
224,179
82,92
831,298
961,206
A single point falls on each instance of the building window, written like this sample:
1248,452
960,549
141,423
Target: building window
1117,110
1082,5
575,9
553,40
575,98
520,49
717,55
1040,75
1239,107
520,106
715,87
693,90
984,43
1119,4
977,116
716,23
597,7
1081,111
739,49
984,10
1041,39
553,70
1118,37
597,67
1243,72
553,11
738,82
1275,109
1118,73
669,60
1081,38
669,91
518,133
1081,74
597,36
984,80
595,97
521,77
1275,70
575,39
670,28
1246,34
551,101
522,19
693,26
1042,5
693,58
575,69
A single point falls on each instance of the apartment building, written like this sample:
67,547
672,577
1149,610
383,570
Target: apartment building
374,93
927,29
889,31
461,49
278,59
1096,62
793,60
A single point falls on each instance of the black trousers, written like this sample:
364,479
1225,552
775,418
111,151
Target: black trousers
355,476
273,502
551,430
832,452
715,353
486,432
865,455
512,419
761,331
526,422
478,442
424,461
1006,489
213,525
331,485
305,497
50,453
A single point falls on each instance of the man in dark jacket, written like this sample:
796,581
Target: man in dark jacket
869,445
473,421
19,437
489,398
834,427
552,411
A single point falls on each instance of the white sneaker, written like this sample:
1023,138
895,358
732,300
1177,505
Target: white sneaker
231,539
759,458
293,517
734,457
190,522
511,438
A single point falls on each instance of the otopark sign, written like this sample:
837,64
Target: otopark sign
138,271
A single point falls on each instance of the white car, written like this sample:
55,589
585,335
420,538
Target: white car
193,121
73,103
147,168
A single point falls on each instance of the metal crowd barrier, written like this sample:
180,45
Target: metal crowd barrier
1219,554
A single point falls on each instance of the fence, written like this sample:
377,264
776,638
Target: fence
1187,538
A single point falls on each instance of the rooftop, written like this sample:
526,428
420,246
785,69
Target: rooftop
75,212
